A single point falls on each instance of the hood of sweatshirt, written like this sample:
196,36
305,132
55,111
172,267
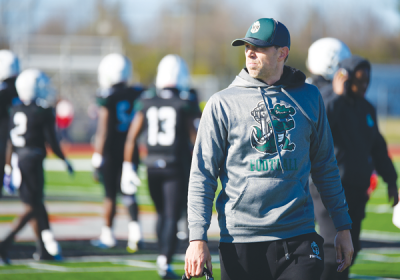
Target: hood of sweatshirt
291,77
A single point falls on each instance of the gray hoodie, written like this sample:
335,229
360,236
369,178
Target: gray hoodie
264,165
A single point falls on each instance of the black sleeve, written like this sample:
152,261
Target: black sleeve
50,133
382,162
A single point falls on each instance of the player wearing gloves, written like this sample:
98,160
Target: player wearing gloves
32,124
165,119
9,70
115,114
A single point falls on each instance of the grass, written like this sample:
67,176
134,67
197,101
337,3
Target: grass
82,186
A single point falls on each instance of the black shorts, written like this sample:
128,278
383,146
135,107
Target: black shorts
30,162
111,171
267,260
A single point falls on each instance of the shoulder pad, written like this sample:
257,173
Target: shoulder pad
104,93
147,94
3,85
137,87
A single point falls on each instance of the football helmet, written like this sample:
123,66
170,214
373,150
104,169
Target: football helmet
113,69
173,72
34,85
9,65
324,56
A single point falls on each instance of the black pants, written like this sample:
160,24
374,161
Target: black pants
299,258
328,231
166,189
3,146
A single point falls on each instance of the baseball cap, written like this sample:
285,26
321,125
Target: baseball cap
265,32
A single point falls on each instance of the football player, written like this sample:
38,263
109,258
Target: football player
115,99
32,125
323,60
9,70
165,118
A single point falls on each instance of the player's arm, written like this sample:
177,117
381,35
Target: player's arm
129,179
52,140
100,137
384,166
133,133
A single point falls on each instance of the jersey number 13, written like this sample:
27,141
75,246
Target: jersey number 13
161,125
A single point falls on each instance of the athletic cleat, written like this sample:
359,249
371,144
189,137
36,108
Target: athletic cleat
169,274
47,257
99,244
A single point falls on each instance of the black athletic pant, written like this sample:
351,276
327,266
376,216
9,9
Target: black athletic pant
3,146
165,186
328,231
299,258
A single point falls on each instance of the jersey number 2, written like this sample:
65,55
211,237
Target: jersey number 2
161,125
20,121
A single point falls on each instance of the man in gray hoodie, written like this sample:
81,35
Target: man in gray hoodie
263,136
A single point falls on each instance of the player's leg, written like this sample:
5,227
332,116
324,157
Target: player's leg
300,258
33,174
172,195
134,231
155,179
3,145
109,172
244,261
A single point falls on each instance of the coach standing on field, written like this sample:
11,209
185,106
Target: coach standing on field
263,136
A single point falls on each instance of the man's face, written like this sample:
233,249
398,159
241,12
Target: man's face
360,82
261,62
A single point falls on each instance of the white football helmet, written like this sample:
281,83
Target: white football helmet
113,69
324,56
9,65
173,72
34,85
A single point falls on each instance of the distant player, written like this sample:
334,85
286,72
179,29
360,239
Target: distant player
9,70
323,60
115,99
165,119
32,125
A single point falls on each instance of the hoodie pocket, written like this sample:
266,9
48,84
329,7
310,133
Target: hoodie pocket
268,203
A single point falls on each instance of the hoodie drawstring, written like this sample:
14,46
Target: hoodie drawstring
285,248
273,128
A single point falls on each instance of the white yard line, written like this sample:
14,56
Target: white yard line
50,267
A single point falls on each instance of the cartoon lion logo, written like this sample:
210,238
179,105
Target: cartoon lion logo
263,138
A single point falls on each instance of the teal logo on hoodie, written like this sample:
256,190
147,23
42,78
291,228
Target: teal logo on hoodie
263,137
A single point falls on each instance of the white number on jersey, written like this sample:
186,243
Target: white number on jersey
20,121
166,116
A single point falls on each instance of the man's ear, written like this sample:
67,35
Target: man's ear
283,53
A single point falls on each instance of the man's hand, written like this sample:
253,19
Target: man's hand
197,254
129,179
339,80
393,193
344,249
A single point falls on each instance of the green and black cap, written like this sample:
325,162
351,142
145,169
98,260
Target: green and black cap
265,32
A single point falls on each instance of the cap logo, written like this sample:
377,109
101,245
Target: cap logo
255,27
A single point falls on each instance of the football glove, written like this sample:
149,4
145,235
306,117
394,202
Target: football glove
8,186
129,179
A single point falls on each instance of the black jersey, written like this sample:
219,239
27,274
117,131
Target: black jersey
119,102
31,126
165,129
8,96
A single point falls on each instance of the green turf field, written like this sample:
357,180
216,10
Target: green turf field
384,263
